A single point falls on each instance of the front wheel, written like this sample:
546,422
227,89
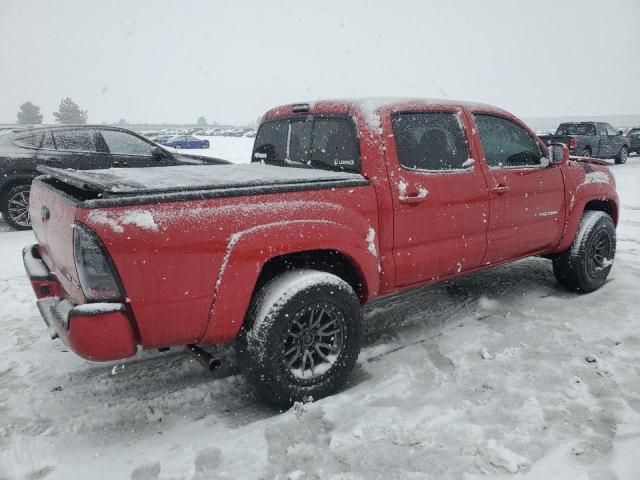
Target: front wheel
15,207
622,156
586,153
301,337
587,263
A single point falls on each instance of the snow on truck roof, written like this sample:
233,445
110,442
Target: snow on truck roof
371,107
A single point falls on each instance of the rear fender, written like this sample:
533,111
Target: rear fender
248,251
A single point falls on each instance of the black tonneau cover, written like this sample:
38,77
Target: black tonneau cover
141,185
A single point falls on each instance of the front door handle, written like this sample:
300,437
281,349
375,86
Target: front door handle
119,163
413,198
500,189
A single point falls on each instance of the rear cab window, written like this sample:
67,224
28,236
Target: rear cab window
576,129
315,141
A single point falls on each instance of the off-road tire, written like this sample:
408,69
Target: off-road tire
584,267
261,343
17,193
622,156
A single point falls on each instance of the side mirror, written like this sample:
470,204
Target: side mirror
157,153
558,152
620,132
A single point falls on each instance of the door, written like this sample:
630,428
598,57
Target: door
127,150
604,150
76,148
614,141
526,194
439,195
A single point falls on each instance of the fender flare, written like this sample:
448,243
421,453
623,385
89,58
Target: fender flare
248,250
573,220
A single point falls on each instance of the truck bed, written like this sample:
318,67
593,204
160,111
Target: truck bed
139,185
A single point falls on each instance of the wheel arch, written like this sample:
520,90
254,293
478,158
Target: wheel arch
260,253
607,206
15,180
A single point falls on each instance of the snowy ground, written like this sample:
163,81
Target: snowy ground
234,149
484,377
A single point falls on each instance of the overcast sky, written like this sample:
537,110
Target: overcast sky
172,61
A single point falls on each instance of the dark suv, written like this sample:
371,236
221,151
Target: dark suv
634,139
84,147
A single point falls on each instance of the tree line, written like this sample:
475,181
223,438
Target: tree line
68,113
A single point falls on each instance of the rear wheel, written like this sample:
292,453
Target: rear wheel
622,156
586,265
586,153
15,207
301,338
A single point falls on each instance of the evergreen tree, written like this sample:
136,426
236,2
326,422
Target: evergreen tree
69,112
29,114
202,121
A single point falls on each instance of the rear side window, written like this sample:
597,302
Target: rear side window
121,143
319,142
506,144
429,141
75,141
32,141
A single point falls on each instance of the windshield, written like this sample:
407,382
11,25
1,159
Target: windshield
328,143
576,129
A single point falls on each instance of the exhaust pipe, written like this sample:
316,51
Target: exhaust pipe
207,360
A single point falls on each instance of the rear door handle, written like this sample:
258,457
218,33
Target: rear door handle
500,189
412,198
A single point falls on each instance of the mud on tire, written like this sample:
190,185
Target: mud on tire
301,337
585,266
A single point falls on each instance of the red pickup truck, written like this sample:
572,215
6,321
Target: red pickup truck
344,201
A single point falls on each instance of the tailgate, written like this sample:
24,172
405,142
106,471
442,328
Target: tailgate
52,217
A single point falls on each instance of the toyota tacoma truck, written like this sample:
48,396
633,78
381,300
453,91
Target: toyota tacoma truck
591,139
342,203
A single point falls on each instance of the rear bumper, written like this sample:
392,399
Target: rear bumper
98,332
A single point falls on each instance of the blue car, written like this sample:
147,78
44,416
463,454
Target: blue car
185,141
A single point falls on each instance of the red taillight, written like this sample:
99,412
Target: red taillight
572,143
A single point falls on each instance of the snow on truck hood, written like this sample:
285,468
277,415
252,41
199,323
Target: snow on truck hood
183,177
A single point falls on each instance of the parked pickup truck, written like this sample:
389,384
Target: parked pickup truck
591,139
344,202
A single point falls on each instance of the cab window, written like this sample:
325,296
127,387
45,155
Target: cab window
430,141
506,144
